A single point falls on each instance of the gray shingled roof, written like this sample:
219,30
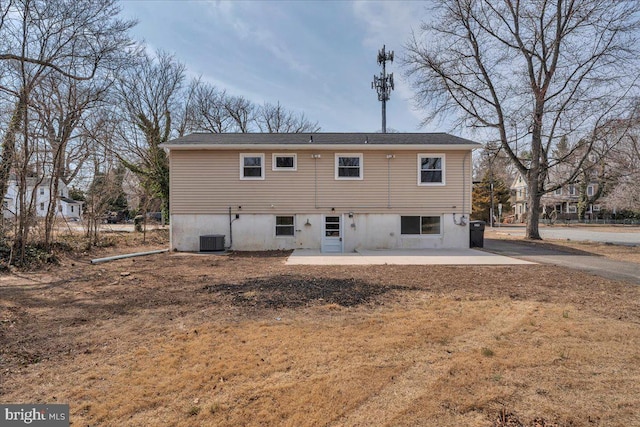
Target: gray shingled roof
319,138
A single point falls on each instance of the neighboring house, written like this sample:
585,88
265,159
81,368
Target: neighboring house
519,194
330,191
563,202
67,207
559,204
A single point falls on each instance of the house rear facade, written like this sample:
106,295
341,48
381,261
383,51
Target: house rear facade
336,192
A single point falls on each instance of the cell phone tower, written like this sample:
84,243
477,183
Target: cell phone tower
383,83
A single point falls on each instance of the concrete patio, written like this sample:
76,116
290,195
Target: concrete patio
402,257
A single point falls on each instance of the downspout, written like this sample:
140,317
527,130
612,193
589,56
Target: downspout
231,220
464,182
315,179
389,181
464,192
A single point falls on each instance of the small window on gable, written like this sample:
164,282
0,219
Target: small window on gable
252,166
558,192
285,226
284,162
590,190
349,166
42,191
431,169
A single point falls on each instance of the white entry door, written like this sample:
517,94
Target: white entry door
332,234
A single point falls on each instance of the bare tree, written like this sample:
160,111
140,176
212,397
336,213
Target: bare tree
207,108
241,112
623,168
276,119
61,106
150,94
528,74
50,40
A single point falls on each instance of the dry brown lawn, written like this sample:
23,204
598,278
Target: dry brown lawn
191,340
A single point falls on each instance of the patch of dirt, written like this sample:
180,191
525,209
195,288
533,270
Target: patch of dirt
292,291
508,419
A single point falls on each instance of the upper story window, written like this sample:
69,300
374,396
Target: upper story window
349,166
251,166
572,190
558,192
431,169
284,162
590,190
42,191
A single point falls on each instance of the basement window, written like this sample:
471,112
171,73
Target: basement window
285,226
420,225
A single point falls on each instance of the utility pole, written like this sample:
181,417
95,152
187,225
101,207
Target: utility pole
383,84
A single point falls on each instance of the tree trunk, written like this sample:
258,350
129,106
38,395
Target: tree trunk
9,143
57,171
533,209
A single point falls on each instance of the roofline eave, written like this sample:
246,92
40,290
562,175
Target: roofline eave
332,147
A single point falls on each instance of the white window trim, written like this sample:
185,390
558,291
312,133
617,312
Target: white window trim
558,191
295,162
349,178
590,190
443,163
572,208
573,191
275,227
421,236
251,178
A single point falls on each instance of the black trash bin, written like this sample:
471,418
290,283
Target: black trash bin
476,230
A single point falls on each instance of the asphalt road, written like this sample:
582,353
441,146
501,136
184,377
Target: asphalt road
626,236
556,255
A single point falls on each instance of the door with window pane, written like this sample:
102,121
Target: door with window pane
332,234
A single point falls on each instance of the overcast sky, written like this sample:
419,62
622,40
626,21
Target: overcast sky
316,57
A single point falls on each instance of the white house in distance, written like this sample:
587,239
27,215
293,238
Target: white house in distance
336,192
67,207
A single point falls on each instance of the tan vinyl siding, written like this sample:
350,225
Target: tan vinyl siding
208,181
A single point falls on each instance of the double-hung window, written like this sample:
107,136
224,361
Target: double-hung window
431,169
349,166
285,226
251,166
417,225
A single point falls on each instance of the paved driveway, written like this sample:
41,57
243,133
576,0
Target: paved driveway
556,255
